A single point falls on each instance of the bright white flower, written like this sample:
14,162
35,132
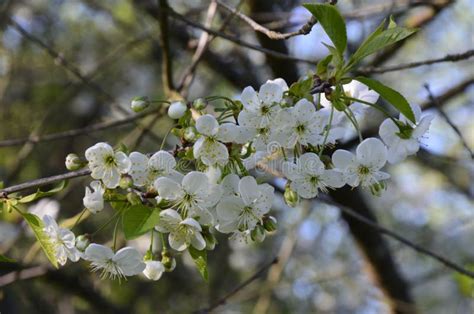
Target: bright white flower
364,167
125,262
193,197
404,143
209,147
45,206
309,175
280,82
153,270
354,89
260,108
107,165
63,241
243,212
182,232
302,124
177,110
145,170
94,198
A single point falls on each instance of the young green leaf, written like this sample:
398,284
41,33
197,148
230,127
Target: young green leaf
139,219
378,40
391,95
4,259
322,67
37,226
40,194
200,259
302,88
332,23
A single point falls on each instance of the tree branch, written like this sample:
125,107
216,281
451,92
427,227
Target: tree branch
241,286
77,132
448,58
237,41
439,108
304,30
167,66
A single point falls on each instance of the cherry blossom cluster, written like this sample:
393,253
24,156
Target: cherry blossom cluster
210,182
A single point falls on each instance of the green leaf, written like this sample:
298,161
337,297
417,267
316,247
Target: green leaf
322,67
465,284
378,40
332,23
302,88
390,95
200,259
40,194
37,226
4,259
139,219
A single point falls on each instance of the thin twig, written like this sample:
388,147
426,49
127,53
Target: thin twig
202,45
416,247
76,132
44,181
438,107
224,299
167,66
448,58
61,61
237,41
304,30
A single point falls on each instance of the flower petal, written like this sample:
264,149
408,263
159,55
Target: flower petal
248,189
168,188
98,253
270,93
250,99
372,152
207,125
342,159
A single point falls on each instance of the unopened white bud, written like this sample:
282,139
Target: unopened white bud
74,162
177,110
139,103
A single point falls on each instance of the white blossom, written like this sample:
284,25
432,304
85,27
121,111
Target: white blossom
243,211
94,198
364,167
125,262
177,109
193,196
302,124
145,171
62,240
107,165
308,176
209,147
405,142
182,232
153,270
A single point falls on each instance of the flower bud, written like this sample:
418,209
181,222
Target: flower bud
125,182
258,234
148,256
134,198
74,162
291,197
82,242
199,104
189,134
269,223
140,103
168,261
177,109
377,188
153,270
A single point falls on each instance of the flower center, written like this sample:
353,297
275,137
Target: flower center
363,170
265,110
110,160
300,128
263,131
406,131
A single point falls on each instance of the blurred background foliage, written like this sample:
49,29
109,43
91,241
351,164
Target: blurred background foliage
114,44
